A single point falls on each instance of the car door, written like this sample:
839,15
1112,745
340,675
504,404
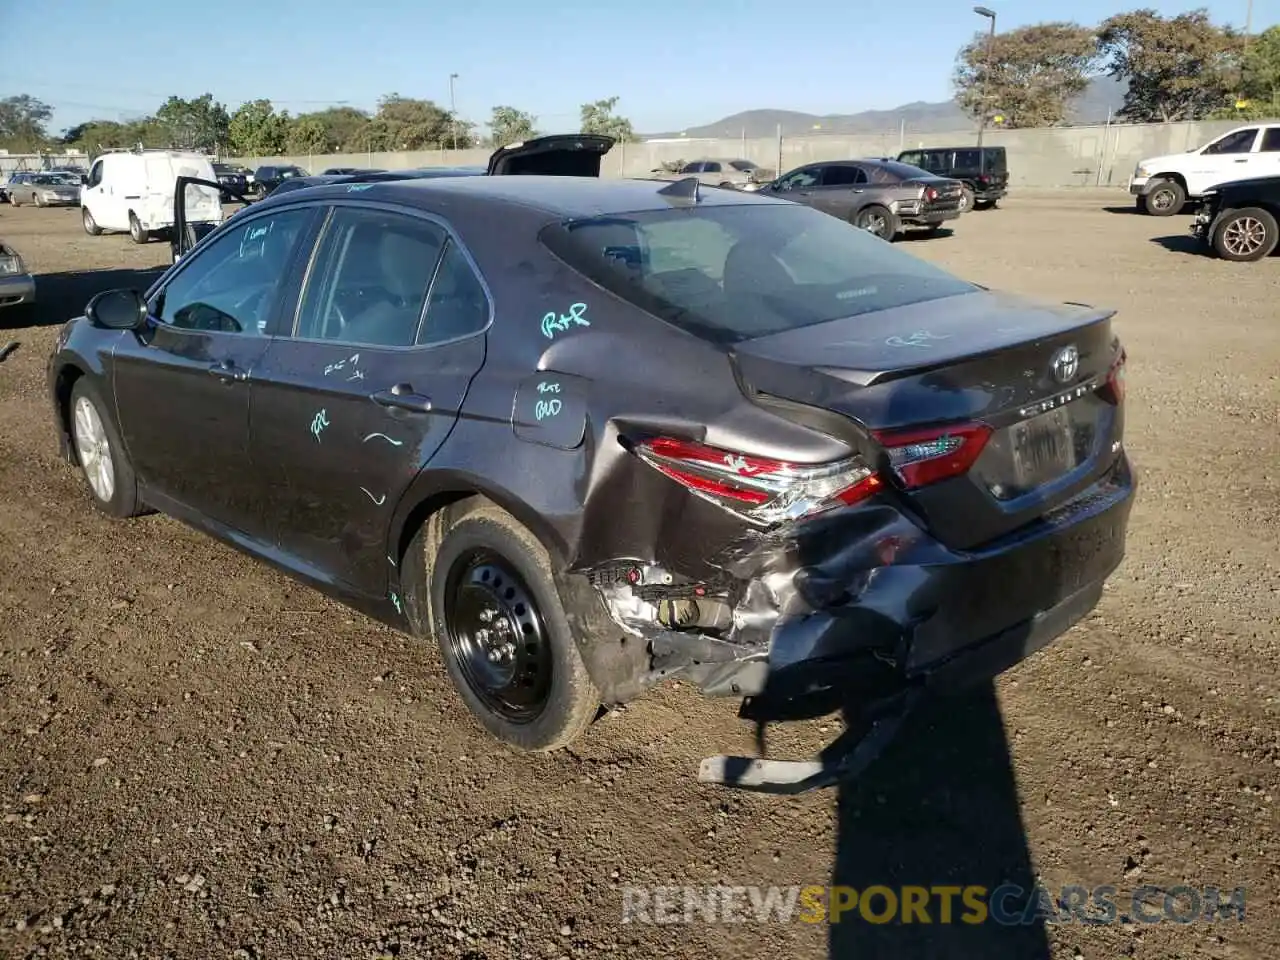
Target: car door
1228,158
111,209
350,407
182,385
840,188
799,185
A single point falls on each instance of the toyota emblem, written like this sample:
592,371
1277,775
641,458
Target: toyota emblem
1065,364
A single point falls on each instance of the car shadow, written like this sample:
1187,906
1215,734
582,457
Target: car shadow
914,236
61,296
1131,209
939,809
1179,243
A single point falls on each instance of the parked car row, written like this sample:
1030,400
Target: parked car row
45,188
1233,181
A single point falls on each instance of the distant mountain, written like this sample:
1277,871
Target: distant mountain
1103,94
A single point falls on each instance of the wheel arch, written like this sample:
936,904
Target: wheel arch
1177,178
69,374
434,491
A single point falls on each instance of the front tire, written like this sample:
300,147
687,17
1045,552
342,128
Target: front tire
90,225
1245,235
100,453
498,618
1166,198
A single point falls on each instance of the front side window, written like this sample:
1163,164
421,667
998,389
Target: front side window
231,285
371,278
1241,141
734,272
800,179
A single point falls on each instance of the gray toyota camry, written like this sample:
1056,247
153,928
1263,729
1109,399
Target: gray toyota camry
589,435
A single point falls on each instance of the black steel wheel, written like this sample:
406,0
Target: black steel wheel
494,607
497,636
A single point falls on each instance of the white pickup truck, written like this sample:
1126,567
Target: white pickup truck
1163,185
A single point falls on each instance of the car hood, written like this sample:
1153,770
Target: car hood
1164,160
563,155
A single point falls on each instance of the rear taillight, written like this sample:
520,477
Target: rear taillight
922,457
931,194
983,178
761,490
1113,389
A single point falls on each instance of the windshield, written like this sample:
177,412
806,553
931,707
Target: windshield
731,273
62,179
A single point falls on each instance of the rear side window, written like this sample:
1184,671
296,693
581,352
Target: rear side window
731,273
1271,140
370,281
843,175
968,159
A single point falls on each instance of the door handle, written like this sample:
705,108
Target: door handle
1243,160
228,372
402,397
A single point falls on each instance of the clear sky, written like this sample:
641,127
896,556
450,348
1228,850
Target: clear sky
671,64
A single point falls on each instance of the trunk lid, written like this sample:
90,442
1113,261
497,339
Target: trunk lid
563,155
1035,374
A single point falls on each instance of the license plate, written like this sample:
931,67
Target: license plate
1043,448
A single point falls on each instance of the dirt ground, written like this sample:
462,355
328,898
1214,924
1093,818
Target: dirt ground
201,759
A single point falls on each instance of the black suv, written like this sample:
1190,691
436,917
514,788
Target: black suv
983,170
265,179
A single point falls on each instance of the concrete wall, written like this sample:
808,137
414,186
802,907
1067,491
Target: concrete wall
1052,157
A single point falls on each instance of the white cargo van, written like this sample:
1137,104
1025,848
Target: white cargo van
133,191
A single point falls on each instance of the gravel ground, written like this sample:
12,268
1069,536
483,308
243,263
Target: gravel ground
201,759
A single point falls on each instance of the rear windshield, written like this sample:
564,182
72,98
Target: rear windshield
731,273
902,171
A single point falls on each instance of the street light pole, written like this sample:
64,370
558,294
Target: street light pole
453,111
984,106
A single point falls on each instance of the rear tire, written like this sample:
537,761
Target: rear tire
113,486
37,199
1166,198
13,200
877,221
493,595
1245,235
90,225
136,233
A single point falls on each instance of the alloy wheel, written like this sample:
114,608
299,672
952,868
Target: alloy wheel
497,636
1161,199
875,224
94,449
1244,236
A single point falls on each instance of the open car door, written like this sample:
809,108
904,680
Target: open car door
556,155
197,211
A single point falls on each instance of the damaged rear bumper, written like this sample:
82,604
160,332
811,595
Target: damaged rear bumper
867,606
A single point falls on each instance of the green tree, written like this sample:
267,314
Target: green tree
1033,75
201,124
22,123
508,125
257,130
345,129
403,123
598,117
1177,68
308,135
1262,70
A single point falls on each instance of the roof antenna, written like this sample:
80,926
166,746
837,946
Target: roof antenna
684,189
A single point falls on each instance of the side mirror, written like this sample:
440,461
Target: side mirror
117,310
